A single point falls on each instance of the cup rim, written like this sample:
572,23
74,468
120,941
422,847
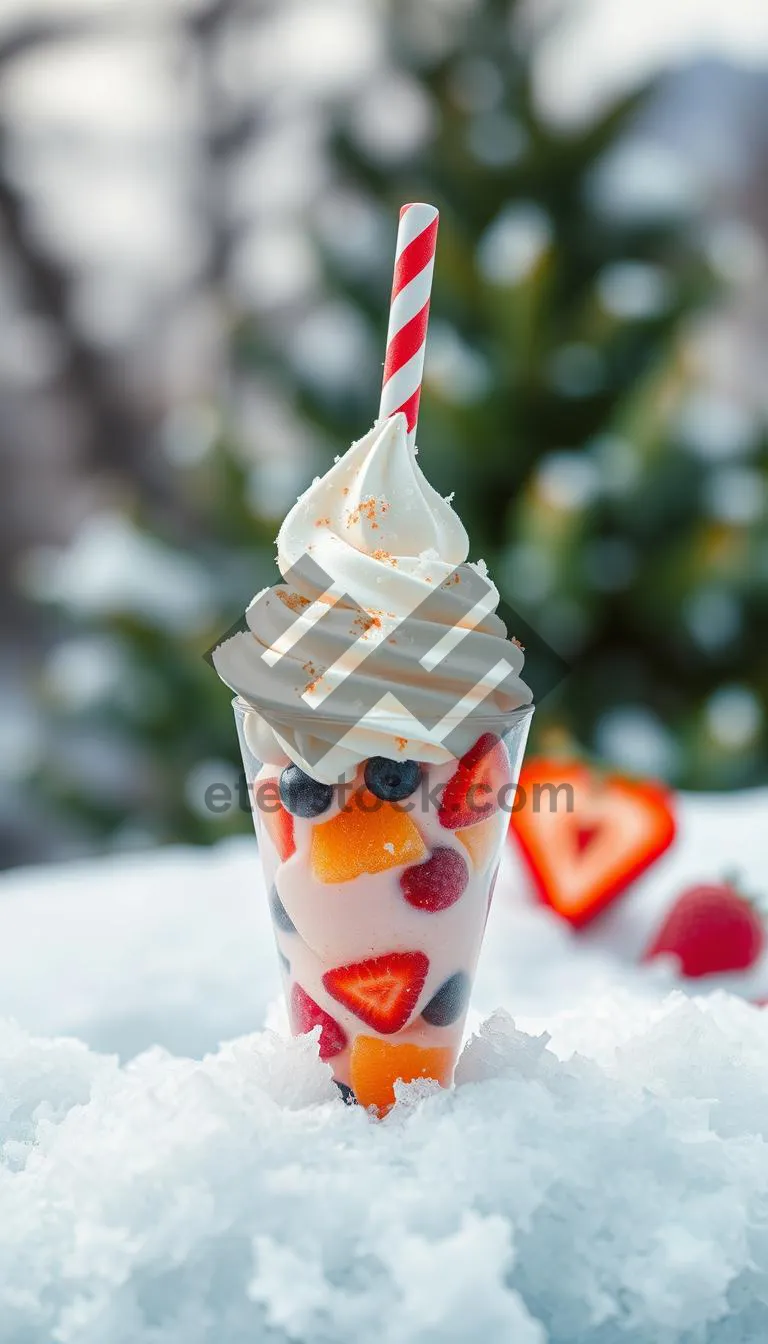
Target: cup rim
499,718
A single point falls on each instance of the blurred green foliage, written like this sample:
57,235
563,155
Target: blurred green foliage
555,409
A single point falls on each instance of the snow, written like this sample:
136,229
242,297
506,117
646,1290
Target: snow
599,1175
112,566
598,49
514,243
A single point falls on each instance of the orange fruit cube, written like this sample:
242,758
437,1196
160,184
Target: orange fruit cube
375,1067
368,836
278,824
482,842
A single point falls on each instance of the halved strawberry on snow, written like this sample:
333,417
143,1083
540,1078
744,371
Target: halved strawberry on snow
381,991
711,928
585,835
473,793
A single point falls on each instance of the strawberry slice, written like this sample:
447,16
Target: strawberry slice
711,928
306,1014
382,991
585,836
278,823
472,794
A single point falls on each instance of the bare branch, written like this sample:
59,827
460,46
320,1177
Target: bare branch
33,34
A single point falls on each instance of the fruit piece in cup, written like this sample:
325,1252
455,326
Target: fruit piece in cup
473,794
482,841
377,1065
438,882
368,836
306,1014
450,1001
278,824
382,907
381,991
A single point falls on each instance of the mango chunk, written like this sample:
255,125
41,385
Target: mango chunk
482,841
375,1067
369,837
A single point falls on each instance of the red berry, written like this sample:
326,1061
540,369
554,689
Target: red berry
472,794
306,1014
382,991
710,929
438,882
278,823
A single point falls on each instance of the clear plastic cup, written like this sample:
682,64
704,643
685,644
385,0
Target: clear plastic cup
379,907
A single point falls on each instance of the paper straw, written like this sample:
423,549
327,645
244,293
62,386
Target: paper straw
409,313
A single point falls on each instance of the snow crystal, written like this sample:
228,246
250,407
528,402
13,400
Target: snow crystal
173,1200
598,1176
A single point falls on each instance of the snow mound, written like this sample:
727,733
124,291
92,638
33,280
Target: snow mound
544,1201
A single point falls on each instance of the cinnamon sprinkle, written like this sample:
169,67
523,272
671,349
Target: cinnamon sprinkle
366,623
369,509
293,601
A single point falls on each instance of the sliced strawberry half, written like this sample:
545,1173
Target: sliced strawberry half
381,991
306,1014
472,794
585,835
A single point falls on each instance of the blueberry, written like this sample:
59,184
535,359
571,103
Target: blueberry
302,795
449,1002
280,917
392,780
347,1095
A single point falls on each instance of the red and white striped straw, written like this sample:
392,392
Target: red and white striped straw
409,313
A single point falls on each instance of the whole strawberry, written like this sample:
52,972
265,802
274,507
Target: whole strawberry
711,928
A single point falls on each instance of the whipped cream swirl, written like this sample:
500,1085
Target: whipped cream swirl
394,648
